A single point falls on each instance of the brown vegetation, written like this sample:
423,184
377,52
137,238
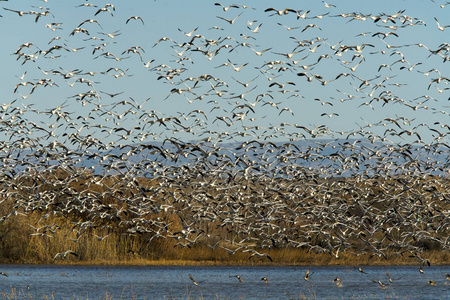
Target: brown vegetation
94,217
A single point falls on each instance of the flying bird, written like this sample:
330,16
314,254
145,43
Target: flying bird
193,280
338,281
281,12
134,18
361,270
329,115
307,275
441,28
226,8
90,21
231,21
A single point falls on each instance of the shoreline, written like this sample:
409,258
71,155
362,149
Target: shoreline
237,263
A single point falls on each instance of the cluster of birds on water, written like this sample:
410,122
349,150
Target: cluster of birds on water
234,182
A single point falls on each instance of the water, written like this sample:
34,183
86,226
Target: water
96,282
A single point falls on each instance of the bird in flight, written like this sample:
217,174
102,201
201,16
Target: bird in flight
361,270
382,285
338,281
329,115
193,280
230,21
65,254
441,28
134,18
307,275
238,277
226,8
281,12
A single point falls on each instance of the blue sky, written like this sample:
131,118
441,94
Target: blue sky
298,104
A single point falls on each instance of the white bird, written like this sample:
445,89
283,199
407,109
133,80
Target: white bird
226,8
338,281
441,28
188,34
231,21
193,280
134,18
286,109
65,254
101,238
329,115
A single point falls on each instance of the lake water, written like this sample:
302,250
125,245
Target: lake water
98,282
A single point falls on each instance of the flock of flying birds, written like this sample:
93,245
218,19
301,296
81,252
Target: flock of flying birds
377,190
336,280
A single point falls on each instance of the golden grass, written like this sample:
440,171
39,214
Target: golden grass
15,294
19,245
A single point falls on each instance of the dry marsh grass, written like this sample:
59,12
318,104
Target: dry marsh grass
118,240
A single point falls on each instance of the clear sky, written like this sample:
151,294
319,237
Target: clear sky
390,77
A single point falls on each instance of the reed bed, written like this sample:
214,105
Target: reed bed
15,294
106,240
